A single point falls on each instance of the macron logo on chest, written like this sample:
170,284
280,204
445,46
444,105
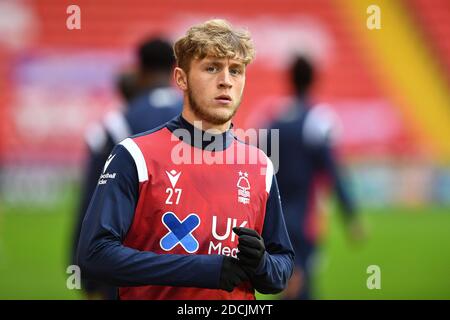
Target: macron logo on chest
173,177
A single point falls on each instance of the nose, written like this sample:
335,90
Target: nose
225,79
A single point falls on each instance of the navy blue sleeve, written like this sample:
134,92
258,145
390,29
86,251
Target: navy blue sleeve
101,253
278,262
94,166
328,163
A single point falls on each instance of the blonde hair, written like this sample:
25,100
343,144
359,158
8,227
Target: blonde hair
215,38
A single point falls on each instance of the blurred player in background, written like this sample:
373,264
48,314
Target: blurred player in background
151,101
127,85
306,154
161,228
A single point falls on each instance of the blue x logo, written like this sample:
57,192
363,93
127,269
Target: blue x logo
180,232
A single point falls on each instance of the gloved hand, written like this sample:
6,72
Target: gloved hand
231,274
251,248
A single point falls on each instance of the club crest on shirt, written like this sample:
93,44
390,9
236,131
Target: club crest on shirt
243,186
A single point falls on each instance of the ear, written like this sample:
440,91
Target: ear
180,78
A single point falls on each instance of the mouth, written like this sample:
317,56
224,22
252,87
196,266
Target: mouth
223,99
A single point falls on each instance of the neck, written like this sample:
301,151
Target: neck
193,119
197,138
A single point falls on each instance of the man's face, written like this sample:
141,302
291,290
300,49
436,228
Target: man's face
215,87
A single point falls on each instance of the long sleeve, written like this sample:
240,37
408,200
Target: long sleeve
329,164
101,253
278,261
319,132
95,160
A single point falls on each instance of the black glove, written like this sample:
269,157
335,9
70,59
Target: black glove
251,248
231,274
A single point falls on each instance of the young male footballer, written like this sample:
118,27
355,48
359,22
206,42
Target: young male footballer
183,211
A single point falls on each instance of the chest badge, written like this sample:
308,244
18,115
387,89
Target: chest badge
243,186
